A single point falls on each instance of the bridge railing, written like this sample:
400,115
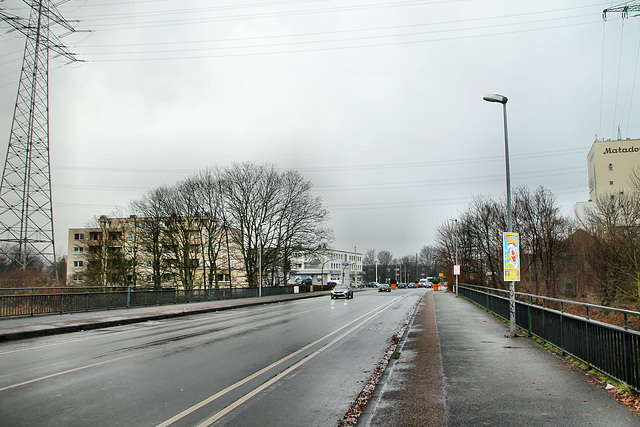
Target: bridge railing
16,302
611,349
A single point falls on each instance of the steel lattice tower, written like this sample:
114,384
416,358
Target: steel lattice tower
26,210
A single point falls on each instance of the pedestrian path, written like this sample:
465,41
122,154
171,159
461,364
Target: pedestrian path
28,327
486,378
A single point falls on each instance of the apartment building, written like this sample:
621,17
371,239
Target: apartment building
185,252
331,266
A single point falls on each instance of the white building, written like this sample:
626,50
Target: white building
331,266
611,163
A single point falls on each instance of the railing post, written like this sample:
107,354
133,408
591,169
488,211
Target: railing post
529,321
562,327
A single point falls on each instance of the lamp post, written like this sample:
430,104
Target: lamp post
260,264
344,265
455,252
512,300
322,270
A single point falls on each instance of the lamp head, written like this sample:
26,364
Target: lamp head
495,98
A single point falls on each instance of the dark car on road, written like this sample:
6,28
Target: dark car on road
342,291
384,288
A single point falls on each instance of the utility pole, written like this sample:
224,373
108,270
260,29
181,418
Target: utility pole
26,210
355,266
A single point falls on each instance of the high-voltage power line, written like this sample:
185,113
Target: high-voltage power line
26,211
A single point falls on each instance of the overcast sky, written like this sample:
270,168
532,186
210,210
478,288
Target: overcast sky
377,102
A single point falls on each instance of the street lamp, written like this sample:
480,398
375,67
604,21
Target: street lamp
322,270
260,264
455,253
344,265
512,300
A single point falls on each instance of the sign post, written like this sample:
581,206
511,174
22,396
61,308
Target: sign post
511,251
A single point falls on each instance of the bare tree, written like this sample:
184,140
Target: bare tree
385,258
214,237
183,221
149,229
427,258
615,253
369,264
301,219
543,235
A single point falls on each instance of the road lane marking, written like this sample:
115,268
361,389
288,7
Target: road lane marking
93,365
283,374
232,387
224,313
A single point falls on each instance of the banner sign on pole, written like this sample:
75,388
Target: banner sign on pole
511,249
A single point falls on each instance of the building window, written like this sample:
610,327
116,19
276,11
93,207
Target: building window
78,250
78,264
78,236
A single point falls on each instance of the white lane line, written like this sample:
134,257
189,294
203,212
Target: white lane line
232,387
225,313
93,365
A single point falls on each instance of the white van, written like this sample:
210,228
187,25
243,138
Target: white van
424,283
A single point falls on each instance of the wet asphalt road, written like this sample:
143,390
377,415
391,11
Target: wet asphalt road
289,364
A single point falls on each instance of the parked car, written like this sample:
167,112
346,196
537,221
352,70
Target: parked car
384,288
342,291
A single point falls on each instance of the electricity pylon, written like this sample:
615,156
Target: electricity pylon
26,210
624,9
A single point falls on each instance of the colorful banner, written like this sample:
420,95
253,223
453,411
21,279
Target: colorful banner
511,249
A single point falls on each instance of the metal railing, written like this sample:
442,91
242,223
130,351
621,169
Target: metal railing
15,302
610,349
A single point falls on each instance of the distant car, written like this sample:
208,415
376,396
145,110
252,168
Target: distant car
411,285
384,288
425,283
342,291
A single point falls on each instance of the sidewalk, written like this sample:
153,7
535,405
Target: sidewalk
459,368
28,327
